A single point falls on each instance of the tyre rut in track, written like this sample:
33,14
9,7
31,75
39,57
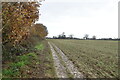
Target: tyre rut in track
60,69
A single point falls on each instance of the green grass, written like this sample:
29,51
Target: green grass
38,64
32,55
0,75
11,72
14,67
18,64
49,64
39,46
94,58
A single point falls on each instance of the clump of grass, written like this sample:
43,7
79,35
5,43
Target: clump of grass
18,64
32,55
39,46
14,67
10,72
9,79
0,74
23,58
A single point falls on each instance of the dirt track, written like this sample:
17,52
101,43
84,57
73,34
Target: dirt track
60,69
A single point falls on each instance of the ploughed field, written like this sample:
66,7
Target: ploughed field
93,58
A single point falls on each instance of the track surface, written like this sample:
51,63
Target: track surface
60,69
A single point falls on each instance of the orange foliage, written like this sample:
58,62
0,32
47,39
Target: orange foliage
39,30
17,18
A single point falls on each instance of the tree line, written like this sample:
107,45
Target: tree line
86,37
19,28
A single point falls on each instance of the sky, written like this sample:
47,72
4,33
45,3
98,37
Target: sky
80,17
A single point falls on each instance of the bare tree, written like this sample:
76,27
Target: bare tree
86,36
71,36
63,33
62,36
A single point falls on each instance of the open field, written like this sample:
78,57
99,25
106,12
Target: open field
94,58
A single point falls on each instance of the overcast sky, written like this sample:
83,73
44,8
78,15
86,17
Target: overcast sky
80,17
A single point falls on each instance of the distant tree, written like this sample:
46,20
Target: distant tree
54,37
71,36
94,37
110,38
59,36
63,35
86,36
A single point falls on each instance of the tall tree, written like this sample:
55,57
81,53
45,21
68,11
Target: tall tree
17,18
39,30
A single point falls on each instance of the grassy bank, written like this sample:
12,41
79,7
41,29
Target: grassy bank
36,64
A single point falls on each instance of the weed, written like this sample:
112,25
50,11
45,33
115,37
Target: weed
32,55
14,67
39,46
10,72
18,64
23,58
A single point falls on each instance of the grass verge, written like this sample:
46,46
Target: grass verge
14,68
36,64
